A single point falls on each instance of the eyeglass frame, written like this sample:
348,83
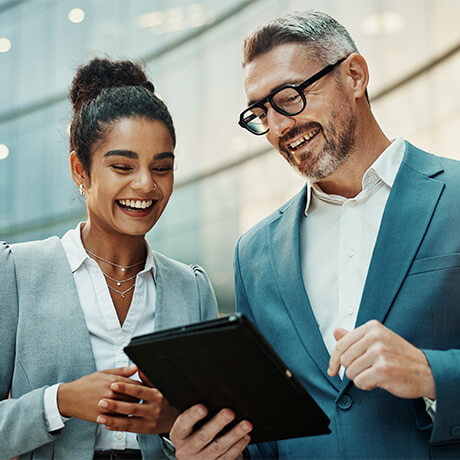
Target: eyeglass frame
298,88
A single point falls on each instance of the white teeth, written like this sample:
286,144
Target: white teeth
304,139
138,204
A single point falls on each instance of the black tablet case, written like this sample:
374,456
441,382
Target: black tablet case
227,363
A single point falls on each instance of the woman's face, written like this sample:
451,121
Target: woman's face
132,177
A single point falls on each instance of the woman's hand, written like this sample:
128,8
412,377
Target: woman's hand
153,416
81,397
203,444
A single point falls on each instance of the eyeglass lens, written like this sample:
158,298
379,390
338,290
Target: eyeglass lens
287,101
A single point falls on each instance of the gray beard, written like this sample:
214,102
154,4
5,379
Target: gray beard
334,154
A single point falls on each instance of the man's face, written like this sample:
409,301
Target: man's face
318,140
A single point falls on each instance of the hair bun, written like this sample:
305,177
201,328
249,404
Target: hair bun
98,74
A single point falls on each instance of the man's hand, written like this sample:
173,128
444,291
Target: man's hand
153,416
202,445
80,398
376,357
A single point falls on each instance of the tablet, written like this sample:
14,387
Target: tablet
227,363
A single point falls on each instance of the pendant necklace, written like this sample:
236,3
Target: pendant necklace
119,281
122,268
122,293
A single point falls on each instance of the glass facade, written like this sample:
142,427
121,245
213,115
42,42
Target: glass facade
227,179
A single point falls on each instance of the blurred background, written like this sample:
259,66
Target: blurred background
227,179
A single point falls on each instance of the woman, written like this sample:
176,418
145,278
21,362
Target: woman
70,305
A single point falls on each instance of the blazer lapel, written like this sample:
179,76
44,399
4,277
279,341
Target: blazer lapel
285,260
177,297
408,212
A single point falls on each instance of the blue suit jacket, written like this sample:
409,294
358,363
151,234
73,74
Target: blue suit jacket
413,287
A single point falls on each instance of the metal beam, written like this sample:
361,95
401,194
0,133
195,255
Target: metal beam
11,4
149,57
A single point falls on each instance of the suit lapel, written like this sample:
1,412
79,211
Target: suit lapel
285,260
408,212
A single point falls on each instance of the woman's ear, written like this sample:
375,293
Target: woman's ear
77,171
357,74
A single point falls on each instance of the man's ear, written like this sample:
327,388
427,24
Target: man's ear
77,170
357,75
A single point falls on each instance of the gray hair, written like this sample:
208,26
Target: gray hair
328,41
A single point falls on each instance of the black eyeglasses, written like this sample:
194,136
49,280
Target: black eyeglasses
288,100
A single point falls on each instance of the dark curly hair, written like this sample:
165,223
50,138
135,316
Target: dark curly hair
103,92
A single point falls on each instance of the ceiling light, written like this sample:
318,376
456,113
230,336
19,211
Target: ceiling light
153,19
386,23
76,15
5,45
197,15
4,151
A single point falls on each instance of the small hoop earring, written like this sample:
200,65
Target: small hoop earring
82,192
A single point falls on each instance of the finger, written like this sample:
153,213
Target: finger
122,371
353,352
367,379
120,397
341,346
137,391
120,423
202,437
224,443
359,365
184,424
124,408
339,333
237,448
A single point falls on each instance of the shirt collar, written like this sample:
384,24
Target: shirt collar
384,168
77,254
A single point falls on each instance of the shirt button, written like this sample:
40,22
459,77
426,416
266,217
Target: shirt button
350,310
119,435
345,402
350,253
455,431
352,203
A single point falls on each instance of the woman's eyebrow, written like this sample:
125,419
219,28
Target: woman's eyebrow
123,153
160,156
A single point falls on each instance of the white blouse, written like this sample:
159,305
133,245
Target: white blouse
107,336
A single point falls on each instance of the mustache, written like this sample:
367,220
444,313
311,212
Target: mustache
296,131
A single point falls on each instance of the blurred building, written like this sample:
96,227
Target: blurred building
227,179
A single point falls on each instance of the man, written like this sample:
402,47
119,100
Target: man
356,280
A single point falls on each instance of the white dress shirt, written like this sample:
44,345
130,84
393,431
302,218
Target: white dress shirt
337,239
107,336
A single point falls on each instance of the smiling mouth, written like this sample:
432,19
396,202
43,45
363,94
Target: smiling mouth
135,205
302,141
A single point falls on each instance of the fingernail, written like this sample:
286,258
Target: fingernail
246,426
201,411
100,419
103,403
115,387
227,415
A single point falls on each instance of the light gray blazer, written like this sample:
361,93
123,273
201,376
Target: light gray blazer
44,340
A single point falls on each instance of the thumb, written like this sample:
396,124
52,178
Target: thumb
339,333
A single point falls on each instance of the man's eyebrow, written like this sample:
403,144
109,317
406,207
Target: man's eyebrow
276,88
122,153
